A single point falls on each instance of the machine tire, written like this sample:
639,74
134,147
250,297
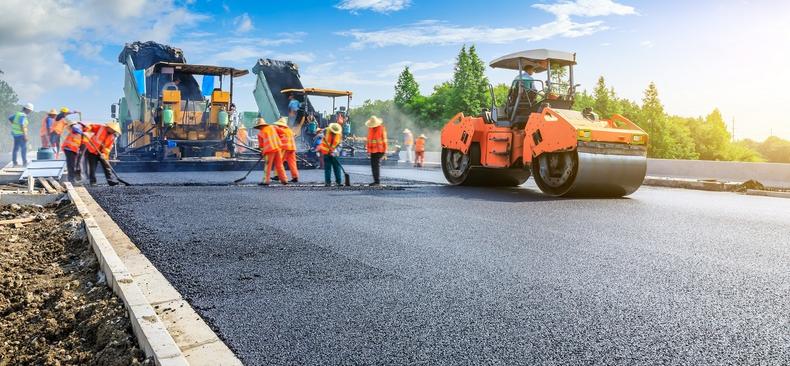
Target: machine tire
546,177
456,166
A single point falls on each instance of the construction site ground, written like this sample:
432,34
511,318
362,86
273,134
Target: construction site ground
423,273
55,307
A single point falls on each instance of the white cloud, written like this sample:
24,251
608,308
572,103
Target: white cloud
442,33
646,44
35,36
586,8
243,23
241,51
396,68
379,6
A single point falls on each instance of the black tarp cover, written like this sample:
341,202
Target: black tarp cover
282,75
146,54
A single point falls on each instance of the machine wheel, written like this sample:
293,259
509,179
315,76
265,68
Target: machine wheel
555,172
456,166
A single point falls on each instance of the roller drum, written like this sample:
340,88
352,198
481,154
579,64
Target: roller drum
608,175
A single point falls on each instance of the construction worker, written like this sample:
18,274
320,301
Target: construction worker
99,147
526,77
333,135
269,143
57,128
46,126
19,122
408,144
293,109
288,147
377,146
419,150
72,145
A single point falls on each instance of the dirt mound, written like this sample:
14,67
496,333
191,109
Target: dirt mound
55,308
749,184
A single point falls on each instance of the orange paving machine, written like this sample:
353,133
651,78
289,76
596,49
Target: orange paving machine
535,132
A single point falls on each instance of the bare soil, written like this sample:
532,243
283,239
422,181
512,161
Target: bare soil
55,306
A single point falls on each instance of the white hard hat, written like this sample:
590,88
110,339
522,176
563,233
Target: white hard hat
30,107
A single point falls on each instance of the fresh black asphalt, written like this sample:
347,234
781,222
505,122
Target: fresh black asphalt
450,275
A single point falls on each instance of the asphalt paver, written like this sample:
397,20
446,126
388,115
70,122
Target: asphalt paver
425,274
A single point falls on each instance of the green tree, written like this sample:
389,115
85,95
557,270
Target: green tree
605,100
470,83
711,138
583,100
667,139
406,88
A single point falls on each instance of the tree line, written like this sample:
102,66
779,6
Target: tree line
9,104
671,136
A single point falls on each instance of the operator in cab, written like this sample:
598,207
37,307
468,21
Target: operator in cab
526,77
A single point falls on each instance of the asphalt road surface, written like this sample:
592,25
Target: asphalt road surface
430,274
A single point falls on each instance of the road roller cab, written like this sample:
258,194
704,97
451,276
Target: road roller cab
536,132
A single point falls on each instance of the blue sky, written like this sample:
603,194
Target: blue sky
701,54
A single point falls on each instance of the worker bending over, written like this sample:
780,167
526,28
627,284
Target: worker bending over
333,135
377,146
269,143
72,146
288,147
419,151
99,147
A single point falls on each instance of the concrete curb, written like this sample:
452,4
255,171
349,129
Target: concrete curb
757,192
151,333
193,338
703,185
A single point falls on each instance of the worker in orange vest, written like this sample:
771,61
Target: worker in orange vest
288,146
333,135
72,144
377,146
57,128
46,126
269,143
419,151
99,147
242,138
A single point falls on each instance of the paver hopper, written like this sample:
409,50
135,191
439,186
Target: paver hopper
536,132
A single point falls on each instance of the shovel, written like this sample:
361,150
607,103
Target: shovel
237,181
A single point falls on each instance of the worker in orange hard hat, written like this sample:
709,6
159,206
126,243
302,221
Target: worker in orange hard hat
377,146
419,150
288,146
333,135
269,143
99,147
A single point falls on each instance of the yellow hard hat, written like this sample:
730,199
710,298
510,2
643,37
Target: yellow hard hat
64,110
52,111
114,126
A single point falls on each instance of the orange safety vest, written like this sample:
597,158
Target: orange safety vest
58,126
419,146
377,140
329,143
44,131
73,140
268,141
287,142
102,140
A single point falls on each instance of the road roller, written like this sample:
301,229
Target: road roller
535,132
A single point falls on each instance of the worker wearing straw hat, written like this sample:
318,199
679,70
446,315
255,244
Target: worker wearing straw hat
419,151
288,147
333,135
408,144
377,146
269,143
